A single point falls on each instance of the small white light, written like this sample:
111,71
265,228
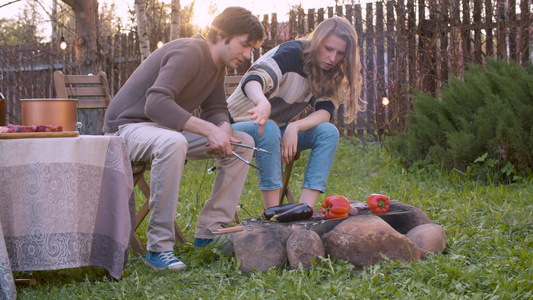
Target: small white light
62,43
385,101
160,44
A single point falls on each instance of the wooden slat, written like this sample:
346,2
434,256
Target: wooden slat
92,104
231,83
233,79
83,79
93,91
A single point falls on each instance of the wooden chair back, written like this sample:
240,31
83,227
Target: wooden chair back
92,91
231,83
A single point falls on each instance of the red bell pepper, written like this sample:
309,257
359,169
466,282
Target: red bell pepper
378,203
335,207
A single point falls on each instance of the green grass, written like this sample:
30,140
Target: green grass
488,256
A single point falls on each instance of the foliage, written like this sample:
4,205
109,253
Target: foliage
481,126
24,29
488,256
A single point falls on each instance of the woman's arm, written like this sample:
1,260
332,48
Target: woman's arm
261,112
289,141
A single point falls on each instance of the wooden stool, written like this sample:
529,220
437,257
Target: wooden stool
285,176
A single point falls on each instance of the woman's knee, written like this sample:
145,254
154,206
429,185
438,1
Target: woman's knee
271,130
244,137
328,131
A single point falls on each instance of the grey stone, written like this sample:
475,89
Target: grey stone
304,246
411,217
362,239
430,237
259,249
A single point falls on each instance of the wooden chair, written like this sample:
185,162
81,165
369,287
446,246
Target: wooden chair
231,84
92,91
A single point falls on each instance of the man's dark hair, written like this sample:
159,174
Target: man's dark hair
235,21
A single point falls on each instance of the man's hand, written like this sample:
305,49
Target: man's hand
226,127
218,137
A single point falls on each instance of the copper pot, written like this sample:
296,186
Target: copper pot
42,111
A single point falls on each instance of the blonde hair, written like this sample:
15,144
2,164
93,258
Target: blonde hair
343,83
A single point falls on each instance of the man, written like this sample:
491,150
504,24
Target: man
153,113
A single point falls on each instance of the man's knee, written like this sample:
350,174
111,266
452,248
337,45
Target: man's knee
173,144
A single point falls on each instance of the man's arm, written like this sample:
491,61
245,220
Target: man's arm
218,137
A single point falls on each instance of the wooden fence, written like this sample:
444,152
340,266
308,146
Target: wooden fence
405,45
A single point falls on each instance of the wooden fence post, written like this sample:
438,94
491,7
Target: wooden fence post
512,30
320,16
489,40
310,20
369,66
501,21
293,32
274,29
525,25
381,124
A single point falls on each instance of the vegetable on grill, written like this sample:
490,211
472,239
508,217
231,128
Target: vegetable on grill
336,207
378,203
268,213
300,212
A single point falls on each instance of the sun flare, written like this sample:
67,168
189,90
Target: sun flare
203,13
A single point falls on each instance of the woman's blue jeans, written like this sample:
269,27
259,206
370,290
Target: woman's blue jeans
322,140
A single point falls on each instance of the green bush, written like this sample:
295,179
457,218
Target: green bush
481,126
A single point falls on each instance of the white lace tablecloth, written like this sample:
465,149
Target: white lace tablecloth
64,203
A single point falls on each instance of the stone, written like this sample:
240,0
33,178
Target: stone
402,217
362,239
304,246
430,237
225,243
259,249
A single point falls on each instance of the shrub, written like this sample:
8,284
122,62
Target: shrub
480,126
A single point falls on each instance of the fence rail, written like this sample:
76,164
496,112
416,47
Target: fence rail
405,45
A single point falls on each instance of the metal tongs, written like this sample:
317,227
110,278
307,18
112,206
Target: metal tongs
249,147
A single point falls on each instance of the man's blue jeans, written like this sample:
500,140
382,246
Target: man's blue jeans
322,140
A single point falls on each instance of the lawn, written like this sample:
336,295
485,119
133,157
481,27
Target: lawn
489,253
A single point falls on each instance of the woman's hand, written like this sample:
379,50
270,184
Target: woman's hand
289,143
260,114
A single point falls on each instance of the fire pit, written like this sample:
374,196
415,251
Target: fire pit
404,233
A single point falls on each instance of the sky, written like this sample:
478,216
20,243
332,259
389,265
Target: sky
257,7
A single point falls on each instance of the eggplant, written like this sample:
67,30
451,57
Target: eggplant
274,210
300,212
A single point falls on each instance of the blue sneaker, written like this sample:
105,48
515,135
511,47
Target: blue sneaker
202,242
163,260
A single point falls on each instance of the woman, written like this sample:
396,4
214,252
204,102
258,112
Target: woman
321,71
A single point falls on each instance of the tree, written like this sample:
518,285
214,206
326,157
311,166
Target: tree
86,48
142,28
24,29
175,20
109,23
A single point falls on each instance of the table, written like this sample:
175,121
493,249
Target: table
64,203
